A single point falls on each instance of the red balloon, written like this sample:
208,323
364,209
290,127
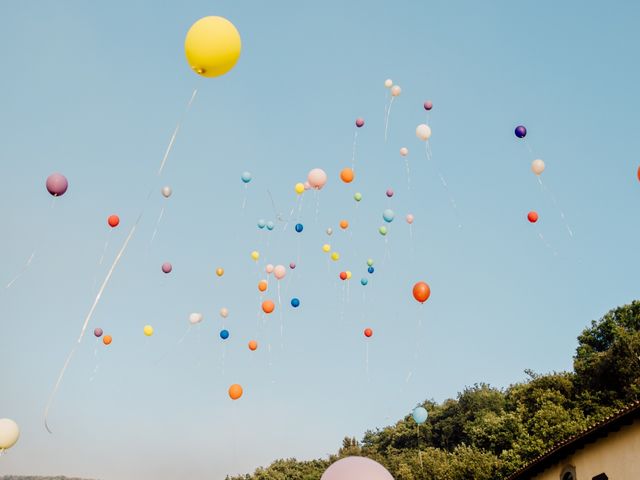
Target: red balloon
532,216
113,221
343,275
368,332
421,292
639,174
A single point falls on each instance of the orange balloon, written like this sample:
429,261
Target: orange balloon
113,221
347,175
253,345
268,306
262,285
107,339
421,292
235,391
344,224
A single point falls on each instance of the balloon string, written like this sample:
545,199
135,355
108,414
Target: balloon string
555,204
406,162
110,273
386,123
155,230
175,133
452,200
244,200
353,152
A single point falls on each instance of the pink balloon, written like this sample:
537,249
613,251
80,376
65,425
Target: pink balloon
307,186
356,468
166,267
390,192
292,265
317,178
279,272
57,184
409,218
269,269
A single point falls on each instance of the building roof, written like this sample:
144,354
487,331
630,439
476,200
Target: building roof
610,424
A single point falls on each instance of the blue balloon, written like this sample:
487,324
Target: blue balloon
364,281
388,215
370,269
246,177
521,131
224,334
261,224
299,227
420,415
295,302
270,225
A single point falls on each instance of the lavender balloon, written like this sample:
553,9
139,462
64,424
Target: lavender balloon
521,131
359,122
98,332
292,265
356,468
57,184
428,105
390,192
166,267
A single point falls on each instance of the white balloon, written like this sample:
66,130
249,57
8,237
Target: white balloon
329,231
396,90
423,132
224,313
166,191
537,166
388,83
195,318
404,151
9,433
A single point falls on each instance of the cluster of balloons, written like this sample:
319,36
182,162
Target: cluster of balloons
106,339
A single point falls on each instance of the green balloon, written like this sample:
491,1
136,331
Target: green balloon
383,230
370,262
357,197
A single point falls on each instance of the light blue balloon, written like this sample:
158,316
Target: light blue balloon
261,224
270,225
388,215
420,415
364,281
246,177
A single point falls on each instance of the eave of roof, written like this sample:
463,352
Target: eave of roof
563,449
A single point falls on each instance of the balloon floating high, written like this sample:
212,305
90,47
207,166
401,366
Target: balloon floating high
195,318
295,302
532,216
520,131
326,248
9,434
347,175
389,192
396,91
423,132
420,415
113,221
262,285
388,215
335,256
268,306
255,255
299,188
292,265
57,184
343,275
317,178
107,340
269,268
344,224
329,231
212,46
537,166
98,332
219,271
166,191
166,267
388,83
253,345
261,224
404,151
270,225
357,196
409,218
368,332
421,292
383,230
370,270
364,281
279,272
299,227
428,105
235,391
147,330
224,334
359,122
224,312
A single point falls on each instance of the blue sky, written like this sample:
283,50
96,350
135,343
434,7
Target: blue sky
95,90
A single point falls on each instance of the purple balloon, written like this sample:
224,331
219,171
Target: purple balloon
98,332
428,105
292,265
57,184
521,131
166,267
389,192
359,122
356,468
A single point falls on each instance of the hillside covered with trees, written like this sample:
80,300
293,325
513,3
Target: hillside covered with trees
487,433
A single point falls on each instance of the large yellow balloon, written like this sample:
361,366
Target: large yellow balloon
212,46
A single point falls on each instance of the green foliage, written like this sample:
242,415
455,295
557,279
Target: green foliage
486,433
